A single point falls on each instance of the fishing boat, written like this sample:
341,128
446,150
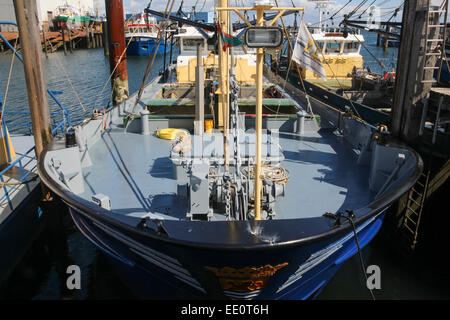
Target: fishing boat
339,49
141,35
66,15
192,195
22,219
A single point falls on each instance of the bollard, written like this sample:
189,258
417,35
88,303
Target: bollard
145,127
300,122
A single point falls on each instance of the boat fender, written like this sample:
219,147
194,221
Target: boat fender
171,133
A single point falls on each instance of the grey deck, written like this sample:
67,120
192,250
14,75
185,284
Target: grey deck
136,173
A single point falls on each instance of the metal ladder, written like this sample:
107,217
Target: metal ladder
435,46
414,208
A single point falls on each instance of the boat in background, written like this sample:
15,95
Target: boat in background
67,16
141,34
340,52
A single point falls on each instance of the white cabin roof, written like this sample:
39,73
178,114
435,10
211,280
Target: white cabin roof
192,32
337,37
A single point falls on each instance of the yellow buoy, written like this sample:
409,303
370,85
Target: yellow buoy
171,133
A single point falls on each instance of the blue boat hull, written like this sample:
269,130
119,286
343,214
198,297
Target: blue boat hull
18,232
144,46
157,270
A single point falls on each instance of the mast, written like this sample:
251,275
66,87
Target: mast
258,127
223,115
259,7
117,54
26,16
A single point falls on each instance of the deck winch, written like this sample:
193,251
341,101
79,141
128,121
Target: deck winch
203,179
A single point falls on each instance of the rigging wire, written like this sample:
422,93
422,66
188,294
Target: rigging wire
368,7
356,8
114,69
68,78
298,69
340,9
164,22
9,81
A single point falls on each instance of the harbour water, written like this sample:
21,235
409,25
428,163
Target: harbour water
42,274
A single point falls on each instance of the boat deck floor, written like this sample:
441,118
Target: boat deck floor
136,173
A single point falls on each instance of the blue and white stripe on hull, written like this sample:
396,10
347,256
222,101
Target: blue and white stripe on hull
306,280
145,45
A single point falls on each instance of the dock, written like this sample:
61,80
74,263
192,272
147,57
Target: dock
88,37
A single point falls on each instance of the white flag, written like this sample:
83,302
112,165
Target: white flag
306,54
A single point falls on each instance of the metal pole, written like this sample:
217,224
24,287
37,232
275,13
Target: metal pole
165,54
223,60
259,88
26,16
199,93
116,33
224,101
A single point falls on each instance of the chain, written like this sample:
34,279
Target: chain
227,196
234,122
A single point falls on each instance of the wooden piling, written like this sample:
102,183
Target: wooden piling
69,34
45,42
26,17
117,53
409,88
88,40
105,39
63,34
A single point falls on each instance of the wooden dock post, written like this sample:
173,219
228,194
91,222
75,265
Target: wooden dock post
409,87
26,17
45,42
69,35
117,49
63,34
105,38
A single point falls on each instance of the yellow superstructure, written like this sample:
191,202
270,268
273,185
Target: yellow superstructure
244,69
336,67
244,64
339,54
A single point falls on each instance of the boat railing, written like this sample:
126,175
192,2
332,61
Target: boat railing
26,164
51,93
20,122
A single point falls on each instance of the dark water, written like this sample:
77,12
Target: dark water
42,276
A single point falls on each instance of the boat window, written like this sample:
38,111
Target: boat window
351,47
333,47
140,29
191,44
319,44
145,30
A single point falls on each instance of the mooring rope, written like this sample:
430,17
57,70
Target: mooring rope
68,78
350,218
